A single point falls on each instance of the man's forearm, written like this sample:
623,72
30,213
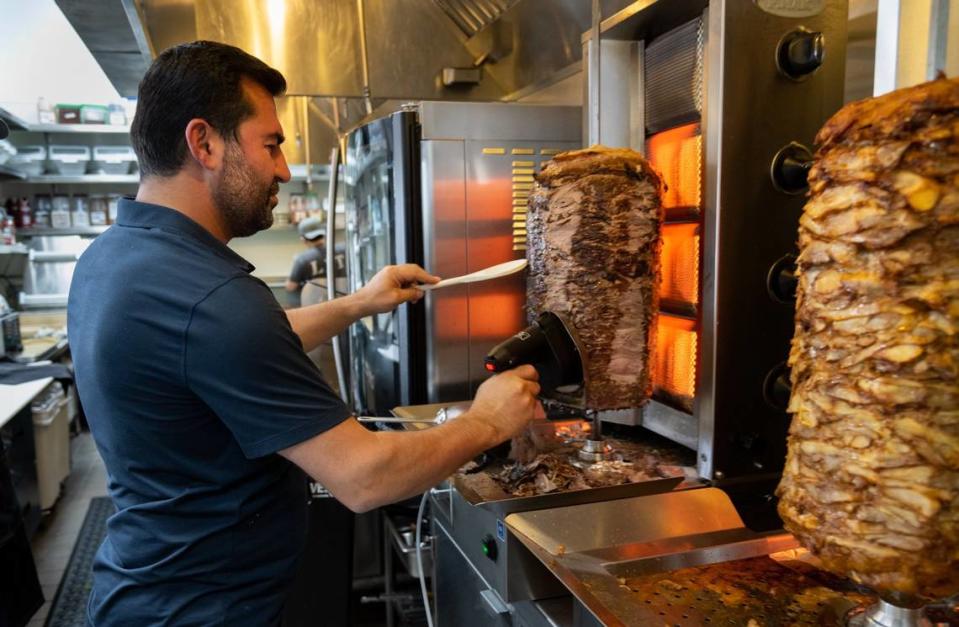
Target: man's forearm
318,323
416,461
366,469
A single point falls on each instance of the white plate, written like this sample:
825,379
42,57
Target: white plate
493,272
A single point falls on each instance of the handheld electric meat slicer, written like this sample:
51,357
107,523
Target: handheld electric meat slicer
551,346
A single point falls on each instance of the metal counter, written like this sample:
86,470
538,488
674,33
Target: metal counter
591,548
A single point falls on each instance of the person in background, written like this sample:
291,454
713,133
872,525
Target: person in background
196,384
307,283
311,263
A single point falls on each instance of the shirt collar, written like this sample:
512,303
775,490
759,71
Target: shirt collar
133,213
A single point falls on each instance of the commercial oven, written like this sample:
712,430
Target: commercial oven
442,185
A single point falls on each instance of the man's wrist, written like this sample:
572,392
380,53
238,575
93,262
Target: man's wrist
486,430
357,306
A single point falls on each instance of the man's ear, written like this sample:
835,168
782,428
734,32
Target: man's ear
204,143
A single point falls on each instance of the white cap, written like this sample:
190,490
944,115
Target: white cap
311,228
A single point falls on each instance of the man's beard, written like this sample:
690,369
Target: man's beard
242,199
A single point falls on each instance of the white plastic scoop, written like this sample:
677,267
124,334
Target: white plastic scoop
493,272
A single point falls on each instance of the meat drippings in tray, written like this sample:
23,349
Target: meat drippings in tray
543,461
871,483
757,592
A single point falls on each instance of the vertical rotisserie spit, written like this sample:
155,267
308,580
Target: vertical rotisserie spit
871,483
594,235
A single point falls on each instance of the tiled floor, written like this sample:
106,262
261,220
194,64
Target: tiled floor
54,540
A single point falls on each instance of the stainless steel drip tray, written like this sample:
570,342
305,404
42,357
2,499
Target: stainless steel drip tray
593,548
501,503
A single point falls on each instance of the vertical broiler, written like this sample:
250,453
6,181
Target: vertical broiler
724,99
731,93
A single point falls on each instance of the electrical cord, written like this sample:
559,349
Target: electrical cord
419,558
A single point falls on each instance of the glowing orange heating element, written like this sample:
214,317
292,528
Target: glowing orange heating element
674,372
677,154
680,263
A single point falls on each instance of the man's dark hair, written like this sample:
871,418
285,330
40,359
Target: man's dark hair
194,80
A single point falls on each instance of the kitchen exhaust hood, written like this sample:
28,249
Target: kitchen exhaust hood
380,49
351,58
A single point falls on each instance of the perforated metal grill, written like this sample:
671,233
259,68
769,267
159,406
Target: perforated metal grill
758,591
472,16
674,72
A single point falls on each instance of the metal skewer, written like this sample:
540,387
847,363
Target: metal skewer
393,419
441,416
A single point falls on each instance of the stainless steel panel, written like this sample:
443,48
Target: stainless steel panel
557,612
310,138
472,525
594,73
647,19
472,16
622,123
545,37
500,121
168,22
458,587
748,225
652,518
316,45
409,43
443,189
104,28
671,423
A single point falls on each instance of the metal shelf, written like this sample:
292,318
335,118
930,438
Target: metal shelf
42,301
15,123
85,178
79,128
9,173
80,230
318,172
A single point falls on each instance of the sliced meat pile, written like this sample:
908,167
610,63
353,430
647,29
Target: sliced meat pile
556,471
871,483
594,236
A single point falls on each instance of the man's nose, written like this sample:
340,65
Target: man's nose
282,171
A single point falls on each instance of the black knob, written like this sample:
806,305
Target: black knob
781,280
800,53
777,387
789,170
489,547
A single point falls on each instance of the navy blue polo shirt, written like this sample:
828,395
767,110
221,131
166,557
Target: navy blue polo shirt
191,379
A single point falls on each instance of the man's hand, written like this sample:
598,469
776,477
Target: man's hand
392,286
507,401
